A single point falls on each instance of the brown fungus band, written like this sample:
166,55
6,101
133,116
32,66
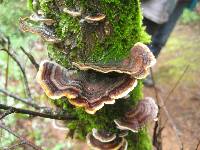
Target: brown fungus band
72,13
136,65
90,19
46,33
102,140
98,18
40,18
137,117
88,89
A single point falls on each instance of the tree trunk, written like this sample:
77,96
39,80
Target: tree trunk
105,41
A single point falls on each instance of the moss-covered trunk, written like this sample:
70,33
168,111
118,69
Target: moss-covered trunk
108,40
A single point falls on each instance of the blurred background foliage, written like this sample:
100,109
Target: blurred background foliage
10,12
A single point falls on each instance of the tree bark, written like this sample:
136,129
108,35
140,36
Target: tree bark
109,40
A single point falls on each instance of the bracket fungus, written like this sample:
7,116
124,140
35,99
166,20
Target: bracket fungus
123,133
97,18
103,136
136,65
134,119
102,140
46,33
72,12
40,18
88,89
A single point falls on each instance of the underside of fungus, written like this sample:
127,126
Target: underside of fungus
97,18
72,12
40,18
88,89
102,140
136,65
46,33
137,117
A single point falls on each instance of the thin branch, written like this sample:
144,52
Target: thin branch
157,132
25,101
12,55
51,115
7,66
177,83
6,113
159,98
13,147
31,58
21,138
198,145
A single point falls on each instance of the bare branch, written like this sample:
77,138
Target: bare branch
6,113
30,57
13,147
12,55
21,138
51,115
177,83
25,101
7,66
198,145
159,99
157,132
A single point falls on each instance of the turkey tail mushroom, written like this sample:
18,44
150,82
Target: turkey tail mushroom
45,33
136,65
102,140
88,89
98,18
72,12
136,118
40,18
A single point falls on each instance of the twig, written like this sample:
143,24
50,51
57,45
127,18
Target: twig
50,115
13,147
8,112
157,132
12,55
21,138
25,101
7,65
197,145
177,83
30,57
159,98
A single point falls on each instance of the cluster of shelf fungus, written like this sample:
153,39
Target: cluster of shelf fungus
91,85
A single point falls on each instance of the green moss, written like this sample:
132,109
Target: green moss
139,141
125,19
127,30
30,4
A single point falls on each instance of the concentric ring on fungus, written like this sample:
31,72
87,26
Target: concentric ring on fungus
138,116
98,18
88,89
40,18
46,33
105,141
136,65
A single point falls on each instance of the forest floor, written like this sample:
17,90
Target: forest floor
182,51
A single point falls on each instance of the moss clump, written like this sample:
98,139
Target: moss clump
88,42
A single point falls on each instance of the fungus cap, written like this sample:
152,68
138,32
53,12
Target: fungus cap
103,136
45,33
98,18
138,116
88,89
72,12
94,143
136,65
40,18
